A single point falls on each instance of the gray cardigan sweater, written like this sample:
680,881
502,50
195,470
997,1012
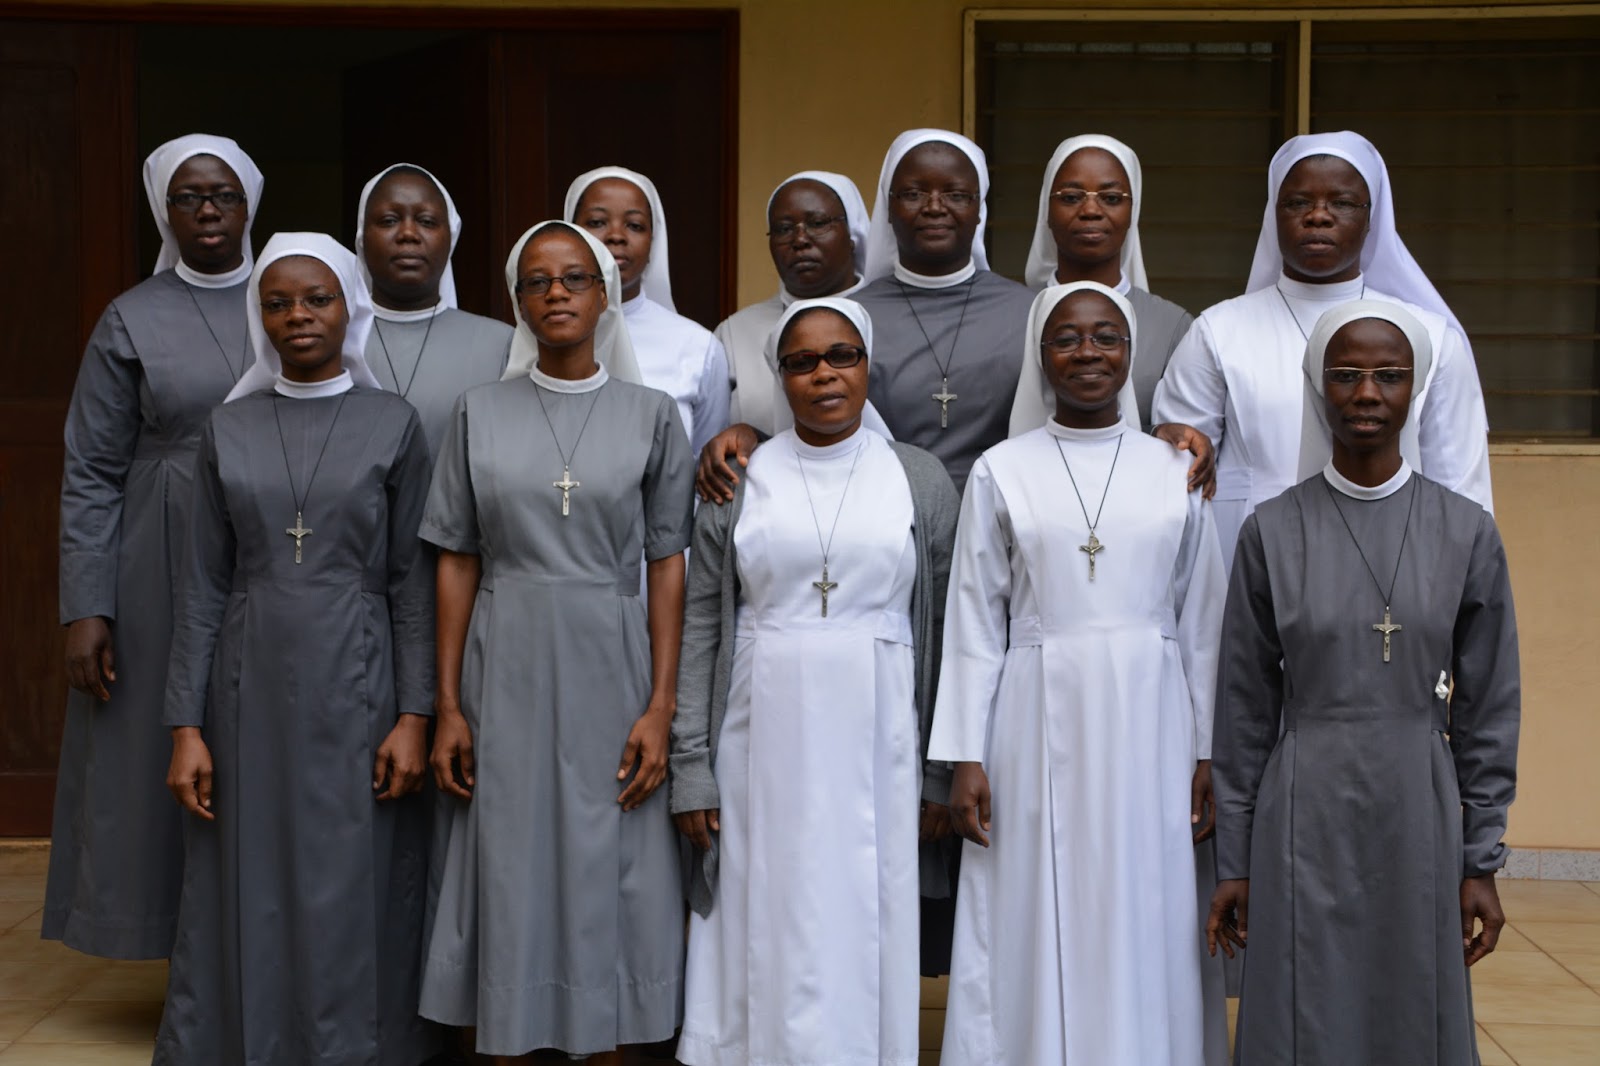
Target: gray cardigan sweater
705,668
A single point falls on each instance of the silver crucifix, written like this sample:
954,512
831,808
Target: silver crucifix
1093,548
824,586
299,533
944,397
1387,628
566,485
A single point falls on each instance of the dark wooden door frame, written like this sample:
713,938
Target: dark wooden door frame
404,17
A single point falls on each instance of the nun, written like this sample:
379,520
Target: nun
298,696
423,346
817,236
799,787
1327,237
622,210
1368,711
1075,701
163,354
1087,229
560,918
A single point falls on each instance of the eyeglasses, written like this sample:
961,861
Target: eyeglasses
1339,206
1076,198
226,200
840,357
317,301
785,232
575,281
1067,343
920,198
1387,377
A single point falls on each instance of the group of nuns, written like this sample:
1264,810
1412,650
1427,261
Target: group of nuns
607,689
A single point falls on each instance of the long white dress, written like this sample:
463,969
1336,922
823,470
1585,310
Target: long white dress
809,954
1088,702
682,359
1237,377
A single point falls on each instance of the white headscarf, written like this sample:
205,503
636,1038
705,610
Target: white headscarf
1030,409
657,280
263,373
1316,437
613,349
782,413
855,210
447,281
882,252
1042,256
1386,263
165,161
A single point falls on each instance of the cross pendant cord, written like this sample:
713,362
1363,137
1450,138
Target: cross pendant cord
566,484
944,397
825,586
300,532
1094,547
1387,627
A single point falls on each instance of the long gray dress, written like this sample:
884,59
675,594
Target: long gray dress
985,331
560,921
1357,824
1162,325
153,370
462,350
299,938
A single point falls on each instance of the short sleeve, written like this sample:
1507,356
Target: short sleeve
668,485
450,520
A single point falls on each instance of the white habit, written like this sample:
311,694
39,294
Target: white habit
1088,703
801,963
682,359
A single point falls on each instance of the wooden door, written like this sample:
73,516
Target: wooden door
68,188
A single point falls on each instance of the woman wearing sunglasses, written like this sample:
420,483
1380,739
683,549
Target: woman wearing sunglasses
810,657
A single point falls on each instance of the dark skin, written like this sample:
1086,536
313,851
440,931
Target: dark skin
1365,420
1085,382
1089,237
616,212
827,405
564,324
308,341
210,241
1319,244
406,241
817,262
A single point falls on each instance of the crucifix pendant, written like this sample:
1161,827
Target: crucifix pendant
1387,628
1093,548
299,533
944,397
566,485
824,586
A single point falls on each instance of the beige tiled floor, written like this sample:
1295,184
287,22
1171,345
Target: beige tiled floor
1537,998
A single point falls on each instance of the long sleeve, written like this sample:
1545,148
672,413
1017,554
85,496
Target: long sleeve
977,615
411,584
1453,435
1193,390
941,511
714,397
102,432
1249,704
450,517
1486,706
692,782
204,582
1200,589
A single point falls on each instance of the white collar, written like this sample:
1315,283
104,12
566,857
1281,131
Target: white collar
1366,492
314,390
1332,292
844,447
236,276
1069,433
785,297
588,384
635,305
391,315
923,281
1122,287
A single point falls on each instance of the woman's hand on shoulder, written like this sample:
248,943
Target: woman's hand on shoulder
1203,471
715,477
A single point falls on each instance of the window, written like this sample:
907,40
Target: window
1489,127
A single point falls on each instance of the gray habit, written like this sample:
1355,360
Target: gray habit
300,928
560,921
462,350
984,369
153,370
1162,325
1356,825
